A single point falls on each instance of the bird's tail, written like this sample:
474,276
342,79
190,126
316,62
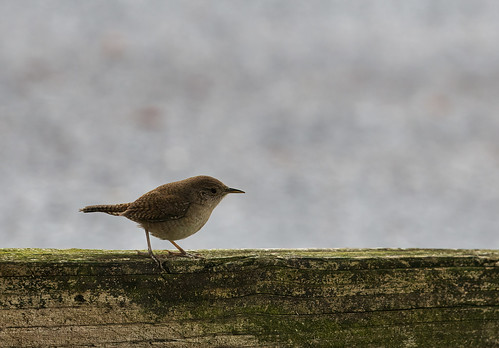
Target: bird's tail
111,209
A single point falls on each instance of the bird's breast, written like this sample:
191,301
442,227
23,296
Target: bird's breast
195,218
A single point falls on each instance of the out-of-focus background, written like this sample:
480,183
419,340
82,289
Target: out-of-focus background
348,123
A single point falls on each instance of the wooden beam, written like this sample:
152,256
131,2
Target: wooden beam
246,298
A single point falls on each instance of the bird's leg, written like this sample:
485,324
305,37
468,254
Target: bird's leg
149,250
182,252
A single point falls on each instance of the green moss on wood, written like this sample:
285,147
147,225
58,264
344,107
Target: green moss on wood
380,297
90,255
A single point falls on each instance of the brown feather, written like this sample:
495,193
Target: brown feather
157,207
111,209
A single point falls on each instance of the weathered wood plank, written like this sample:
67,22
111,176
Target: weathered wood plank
247,298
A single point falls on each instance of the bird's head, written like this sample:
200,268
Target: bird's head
208,190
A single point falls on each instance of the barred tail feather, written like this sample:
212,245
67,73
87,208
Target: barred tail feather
111,209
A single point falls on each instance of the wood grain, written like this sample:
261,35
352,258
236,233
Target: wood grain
248,298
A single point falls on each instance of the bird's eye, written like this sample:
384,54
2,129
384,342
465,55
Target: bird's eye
213,190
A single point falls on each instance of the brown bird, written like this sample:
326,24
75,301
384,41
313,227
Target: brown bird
172,211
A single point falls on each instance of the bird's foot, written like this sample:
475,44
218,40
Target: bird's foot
171,254
184,254
143,253
152,256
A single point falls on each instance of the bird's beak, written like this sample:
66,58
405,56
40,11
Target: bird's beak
233,190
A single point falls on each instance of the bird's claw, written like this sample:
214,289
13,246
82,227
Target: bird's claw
170,254
152,256
184,254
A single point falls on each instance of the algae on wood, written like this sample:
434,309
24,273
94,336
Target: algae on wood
231,298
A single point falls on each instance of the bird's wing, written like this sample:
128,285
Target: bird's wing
156,207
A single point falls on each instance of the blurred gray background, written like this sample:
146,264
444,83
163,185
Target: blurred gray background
348,123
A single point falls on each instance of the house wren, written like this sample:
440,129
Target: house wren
172,211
